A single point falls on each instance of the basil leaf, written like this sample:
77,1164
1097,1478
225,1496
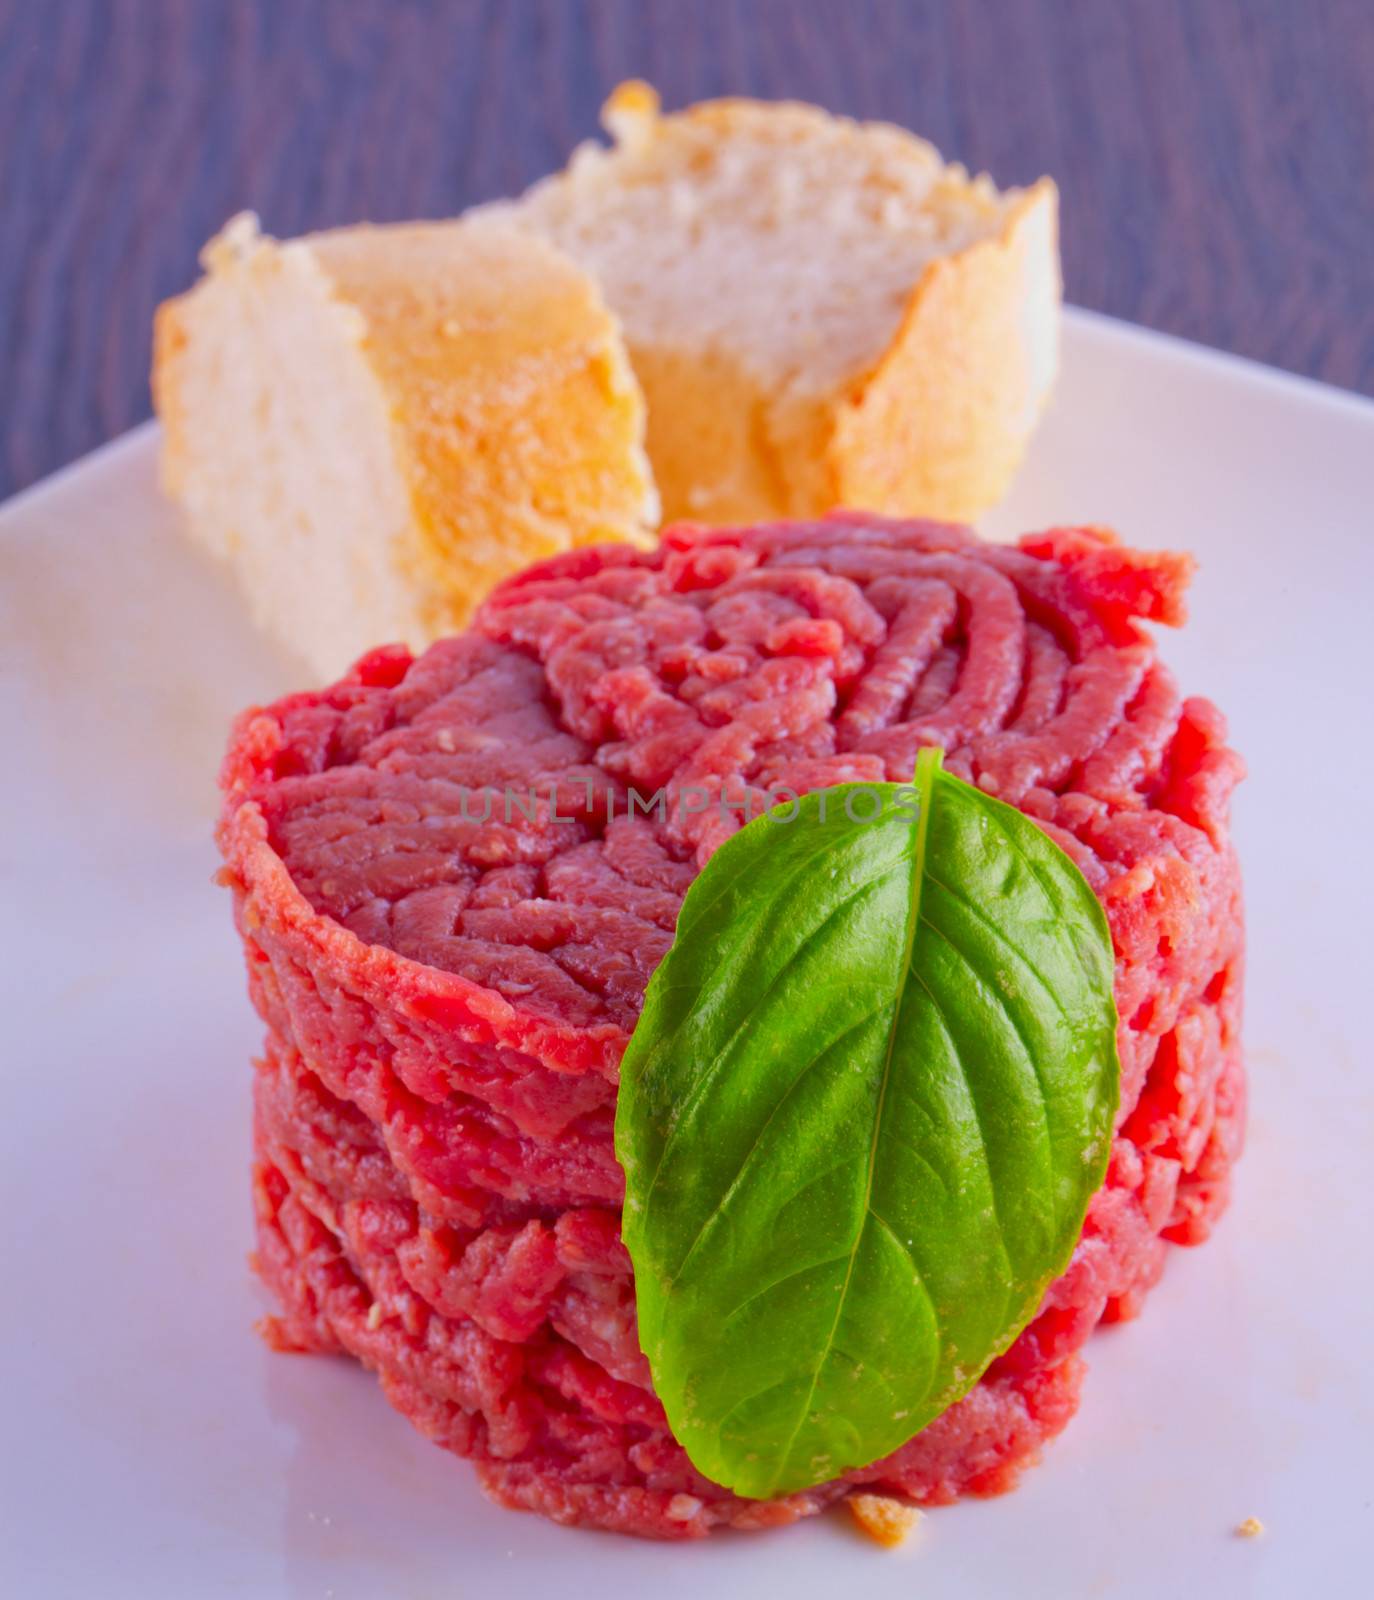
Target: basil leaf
866,1105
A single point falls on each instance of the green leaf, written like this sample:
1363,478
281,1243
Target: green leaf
866,1105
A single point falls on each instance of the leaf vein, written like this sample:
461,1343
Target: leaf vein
977,1117
925,784
735,1182
982,917
708,1077
777,1283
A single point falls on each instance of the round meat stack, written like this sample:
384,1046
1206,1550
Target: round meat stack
449,970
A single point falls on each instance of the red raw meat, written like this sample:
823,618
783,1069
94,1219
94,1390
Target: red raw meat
448,979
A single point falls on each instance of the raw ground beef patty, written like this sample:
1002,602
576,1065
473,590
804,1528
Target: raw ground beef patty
448,989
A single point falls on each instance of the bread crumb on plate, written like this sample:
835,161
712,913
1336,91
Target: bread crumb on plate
1251,1528
883,1519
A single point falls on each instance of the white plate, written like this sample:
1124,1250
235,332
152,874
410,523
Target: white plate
153,1447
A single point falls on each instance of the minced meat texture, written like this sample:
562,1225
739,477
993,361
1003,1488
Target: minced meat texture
455,875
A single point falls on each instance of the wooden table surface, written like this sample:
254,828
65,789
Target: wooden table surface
1215,157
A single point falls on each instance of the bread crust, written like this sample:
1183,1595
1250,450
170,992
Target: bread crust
506,376
632,116
941,422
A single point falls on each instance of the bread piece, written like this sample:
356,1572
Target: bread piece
885,1519
372,426
819,311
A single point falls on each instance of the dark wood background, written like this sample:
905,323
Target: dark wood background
1216,157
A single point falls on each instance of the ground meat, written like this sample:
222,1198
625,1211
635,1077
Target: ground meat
448,974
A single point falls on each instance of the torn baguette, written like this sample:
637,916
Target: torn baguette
820,312
372,426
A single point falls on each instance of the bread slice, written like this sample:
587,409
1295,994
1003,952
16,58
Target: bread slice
819,311
372,426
